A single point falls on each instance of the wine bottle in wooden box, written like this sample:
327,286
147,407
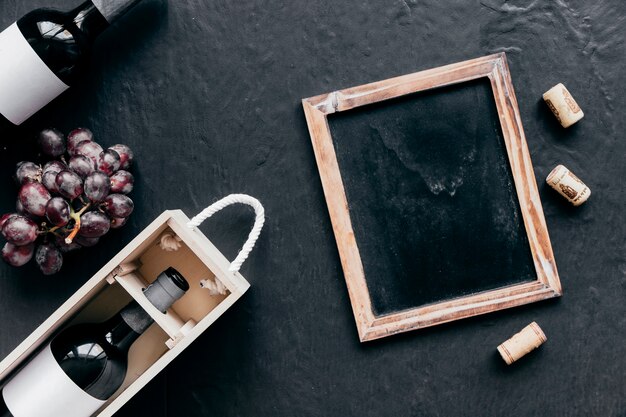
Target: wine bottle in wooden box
45,51
171,240
84,365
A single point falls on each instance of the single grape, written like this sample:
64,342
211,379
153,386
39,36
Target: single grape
19,230
70,185
122,182
64,247
58,211
54,166
108,162
6,217
17,255
86,242
52,142
49,258
27,172
34,196
117,222
49,180
77,136
89,149
126,155
82,165
118,205
94,224
97,187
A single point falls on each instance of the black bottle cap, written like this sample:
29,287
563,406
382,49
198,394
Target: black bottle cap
169,286
177,278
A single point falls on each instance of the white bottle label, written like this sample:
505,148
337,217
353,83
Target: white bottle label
26,82
42,389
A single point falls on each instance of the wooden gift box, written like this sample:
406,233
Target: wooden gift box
122,280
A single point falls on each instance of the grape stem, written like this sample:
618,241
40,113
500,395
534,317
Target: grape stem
53,229
76,216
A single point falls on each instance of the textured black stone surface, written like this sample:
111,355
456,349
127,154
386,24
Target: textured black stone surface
208,93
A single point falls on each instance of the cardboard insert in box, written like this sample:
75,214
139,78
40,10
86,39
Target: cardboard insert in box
122,280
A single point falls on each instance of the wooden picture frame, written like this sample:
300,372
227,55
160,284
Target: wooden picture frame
369,325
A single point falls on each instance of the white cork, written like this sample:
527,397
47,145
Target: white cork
568,185
530,338
563,105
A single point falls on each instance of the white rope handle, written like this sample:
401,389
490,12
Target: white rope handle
256,229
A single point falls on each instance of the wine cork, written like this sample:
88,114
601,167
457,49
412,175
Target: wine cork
530,338
563,105
568,185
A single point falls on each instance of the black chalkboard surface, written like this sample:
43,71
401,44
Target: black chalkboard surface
431,196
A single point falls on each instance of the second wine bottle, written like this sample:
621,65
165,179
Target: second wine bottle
44,52
84,365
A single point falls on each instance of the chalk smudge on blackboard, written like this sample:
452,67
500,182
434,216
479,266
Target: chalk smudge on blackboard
433,166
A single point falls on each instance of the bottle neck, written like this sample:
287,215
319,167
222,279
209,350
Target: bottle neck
89,20
126,326
112,10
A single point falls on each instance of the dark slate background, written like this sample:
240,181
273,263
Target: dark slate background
208,94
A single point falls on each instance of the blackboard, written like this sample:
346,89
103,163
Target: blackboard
432,196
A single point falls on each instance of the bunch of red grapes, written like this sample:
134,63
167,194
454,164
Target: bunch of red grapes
68,203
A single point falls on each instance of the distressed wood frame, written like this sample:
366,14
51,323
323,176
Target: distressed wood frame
547,284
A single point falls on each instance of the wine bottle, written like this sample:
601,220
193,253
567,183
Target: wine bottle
85,364
44,52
